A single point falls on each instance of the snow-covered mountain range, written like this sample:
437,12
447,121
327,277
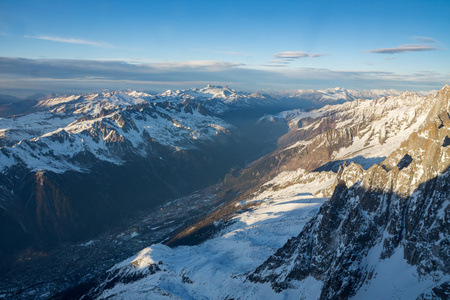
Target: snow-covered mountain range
57,129
379,230
337,198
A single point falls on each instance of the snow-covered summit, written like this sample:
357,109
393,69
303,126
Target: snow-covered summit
213,96
93,103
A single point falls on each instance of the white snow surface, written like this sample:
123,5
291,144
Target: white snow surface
394,278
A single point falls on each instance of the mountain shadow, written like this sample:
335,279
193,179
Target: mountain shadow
366,163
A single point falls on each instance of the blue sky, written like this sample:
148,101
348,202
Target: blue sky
73,46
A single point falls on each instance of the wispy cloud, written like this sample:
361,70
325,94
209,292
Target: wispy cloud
389,58
281,61
275,65
71,41
196,64
296,54
425,39
116,70
403,48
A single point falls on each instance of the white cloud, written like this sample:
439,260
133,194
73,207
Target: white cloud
280,61
196,64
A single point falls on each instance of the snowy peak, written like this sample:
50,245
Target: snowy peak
84,114
93,103
218,91
209,93
364,131
444,96
232,98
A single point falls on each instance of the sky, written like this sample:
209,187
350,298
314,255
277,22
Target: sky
81,46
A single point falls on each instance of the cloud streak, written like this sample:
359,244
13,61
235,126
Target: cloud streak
296,54
71,41
403,48
282,59
196,64
425,39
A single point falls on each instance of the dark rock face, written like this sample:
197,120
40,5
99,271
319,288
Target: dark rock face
406,160
446,142
403,205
